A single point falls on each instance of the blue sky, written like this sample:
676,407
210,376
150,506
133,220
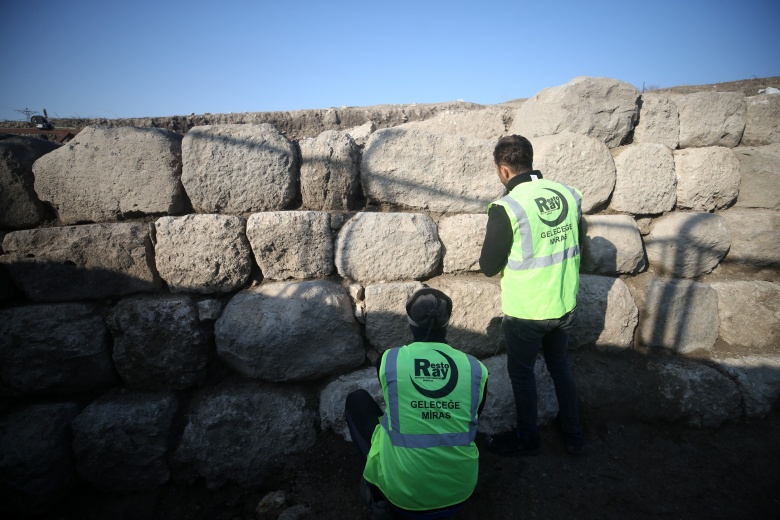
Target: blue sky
139,58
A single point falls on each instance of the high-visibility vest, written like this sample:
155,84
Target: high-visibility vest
542,276
423,454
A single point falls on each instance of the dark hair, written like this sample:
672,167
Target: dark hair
516,152
429,311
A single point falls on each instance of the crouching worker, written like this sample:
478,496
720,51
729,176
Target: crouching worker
420,457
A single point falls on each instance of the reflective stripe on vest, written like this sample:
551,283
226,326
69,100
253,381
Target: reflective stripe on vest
527,239
427,440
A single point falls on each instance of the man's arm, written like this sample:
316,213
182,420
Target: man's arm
497,243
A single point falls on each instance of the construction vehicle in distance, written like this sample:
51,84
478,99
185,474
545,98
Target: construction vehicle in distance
44,127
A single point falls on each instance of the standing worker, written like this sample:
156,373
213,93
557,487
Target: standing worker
420,454
532,239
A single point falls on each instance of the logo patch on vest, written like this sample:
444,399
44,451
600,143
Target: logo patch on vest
554,208
446,372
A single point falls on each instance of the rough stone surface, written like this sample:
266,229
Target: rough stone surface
707,178
239,433
645,180
36,470
290,331
81,262
606,315
762,124
427,171
475,324
579,161
758,380
291,244
488,123
386,323
711,119
679,315
749,314
462,237
334,395
106,174
687,245
330,171
759,169
612,245
54,349
755,237
602,108
360,134
121,441
19,204
375,247
158,343
203,253
238,168
659,121
499,413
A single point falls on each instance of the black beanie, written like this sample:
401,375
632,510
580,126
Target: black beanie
429,309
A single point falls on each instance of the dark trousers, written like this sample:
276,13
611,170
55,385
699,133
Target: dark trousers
524,340
362,415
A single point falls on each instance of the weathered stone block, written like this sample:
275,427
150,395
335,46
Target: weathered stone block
427,171
707,178
387,325
81,262
762,125
374,247
612,245
238,168
755,237
659,121
645,182
291,244
759,171
330,171
749,314
113,173
486,123
758,380
606,315
203,253
711,119
334,395
602,108
54,349
19,204
290,331
462,236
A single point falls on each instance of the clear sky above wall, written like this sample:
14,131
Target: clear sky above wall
135,58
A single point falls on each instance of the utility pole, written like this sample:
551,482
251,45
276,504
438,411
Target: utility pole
27,112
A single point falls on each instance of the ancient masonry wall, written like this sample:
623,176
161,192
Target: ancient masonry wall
198,306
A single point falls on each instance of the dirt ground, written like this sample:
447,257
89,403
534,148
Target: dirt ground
630,470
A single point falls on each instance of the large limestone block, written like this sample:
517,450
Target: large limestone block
487,123
36,470
81,262
579,161
386,322
375,247
499,413
659,121
54,349
334,395
203,253
602,108
240,433
121,441
462,237
679,315
114,173
606,315
711,119
612,245
645,180
749,314
434,172
762,124
291,244
707,178
238,168
158,342
475,324
330,171
687,245
759,171
755,237
19,204
758,380
290,331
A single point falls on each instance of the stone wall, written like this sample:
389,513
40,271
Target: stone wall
181,306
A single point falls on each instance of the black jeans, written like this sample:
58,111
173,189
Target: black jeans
362,415
524,340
